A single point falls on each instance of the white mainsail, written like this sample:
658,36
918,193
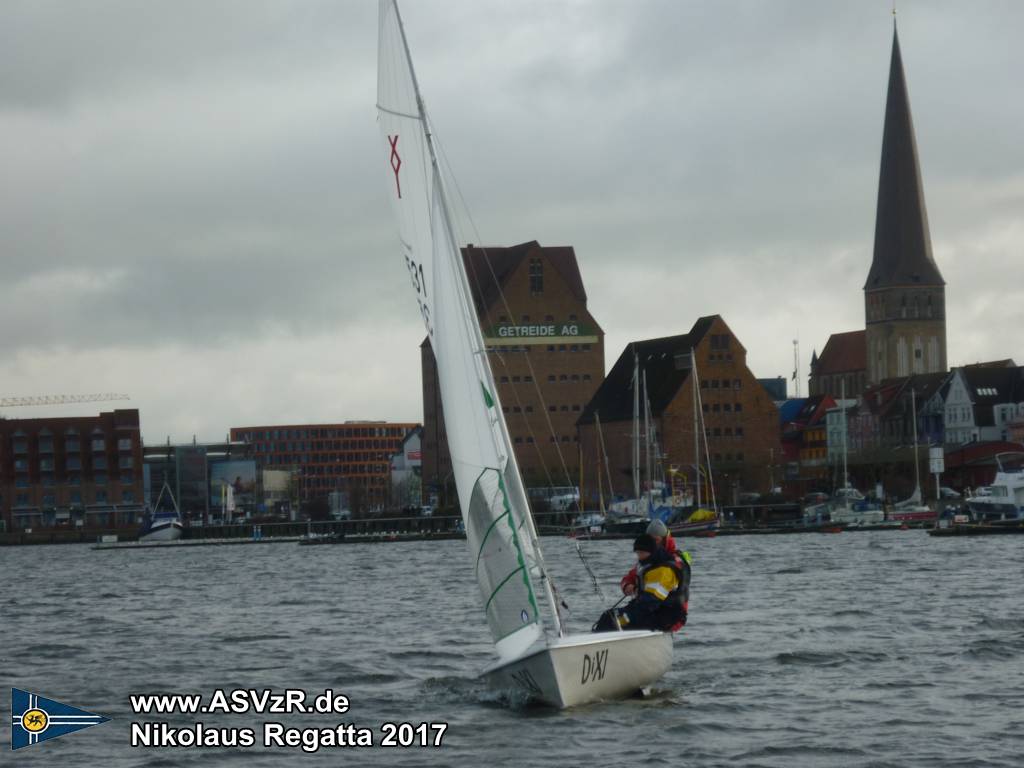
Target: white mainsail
500,533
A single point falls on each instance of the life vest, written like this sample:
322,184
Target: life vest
675,606
680,592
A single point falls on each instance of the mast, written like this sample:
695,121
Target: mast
607,466
636,427
917,468
600,485
647,438
707,450
696,433
846,480
477,336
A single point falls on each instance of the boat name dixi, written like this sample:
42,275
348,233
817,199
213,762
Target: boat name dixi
594,668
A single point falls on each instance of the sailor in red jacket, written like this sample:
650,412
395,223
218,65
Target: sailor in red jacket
664,539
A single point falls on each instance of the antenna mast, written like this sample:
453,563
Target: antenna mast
796,365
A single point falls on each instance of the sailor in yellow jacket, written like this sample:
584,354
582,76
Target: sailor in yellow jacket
660,601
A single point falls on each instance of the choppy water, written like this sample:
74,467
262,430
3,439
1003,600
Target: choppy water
859,649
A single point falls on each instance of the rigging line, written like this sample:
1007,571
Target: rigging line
471,270
485,369
590,571
707,449
508,309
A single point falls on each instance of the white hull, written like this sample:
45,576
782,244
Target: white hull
170,531
578,669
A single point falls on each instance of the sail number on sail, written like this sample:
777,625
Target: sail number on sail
419,282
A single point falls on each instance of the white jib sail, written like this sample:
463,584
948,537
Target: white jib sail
490,490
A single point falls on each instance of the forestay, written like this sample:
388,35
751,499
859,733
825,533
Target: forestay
491,496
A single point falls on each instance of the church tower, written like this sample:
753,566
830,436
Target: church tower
905,295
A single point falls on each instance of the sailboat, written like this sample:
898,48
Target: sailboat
536,654
161,524
632,516
848,506
913,509
697,520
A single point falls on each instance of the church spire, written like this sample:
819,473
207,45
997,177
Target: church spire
903,249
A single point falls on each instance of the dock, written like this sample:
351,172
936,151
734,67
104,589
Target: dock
976,529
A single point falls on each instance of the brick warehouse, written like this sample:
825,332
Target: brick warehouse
354,457
71,472
741,421
547,354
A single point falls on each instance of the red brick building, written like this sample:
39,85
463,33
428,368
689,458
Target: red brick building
353,457
73,472
741,422
547,354
842,364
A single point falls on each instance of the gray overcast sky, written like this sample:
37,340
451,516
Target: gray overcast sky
193,194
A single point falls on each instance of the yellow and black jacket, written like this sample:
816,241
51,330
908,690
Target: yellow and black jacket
662,594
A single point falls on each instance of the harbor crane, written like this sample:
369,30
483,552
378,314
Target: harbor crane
9,402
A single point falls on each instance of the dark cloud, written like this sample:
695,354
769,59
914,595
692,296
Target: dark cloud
205,179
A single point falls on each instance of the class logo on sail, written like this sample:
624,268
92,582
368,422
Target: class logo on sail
35,718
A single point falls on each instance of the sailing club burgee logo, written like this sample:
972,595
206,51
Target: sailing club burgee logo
35,719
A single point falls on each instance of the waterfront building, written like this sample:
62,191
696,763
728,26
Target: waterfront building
837,425
547,354
209,482
352,457
983,403
804,428
841,369
905,294
406,471
740,419
71,472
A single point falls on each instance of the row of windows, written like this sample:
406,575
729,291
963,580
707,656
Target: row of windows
342,470
502,350
19,445
575,408
723,432
728,456
720,384
318,433
526,318
73,463
327,445
100,496
313,462
337,482
552,439
727,407
569,348
568,377
47,479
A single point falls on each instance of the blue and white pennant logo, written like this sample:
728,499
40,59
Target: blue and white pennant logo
35,718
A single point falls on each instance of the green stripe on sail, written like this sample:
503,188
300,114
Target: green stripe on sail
488,399
515,542
497,589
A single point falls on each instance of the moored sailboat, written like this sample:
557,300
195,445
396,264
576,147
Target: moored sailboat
536,653
162,524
